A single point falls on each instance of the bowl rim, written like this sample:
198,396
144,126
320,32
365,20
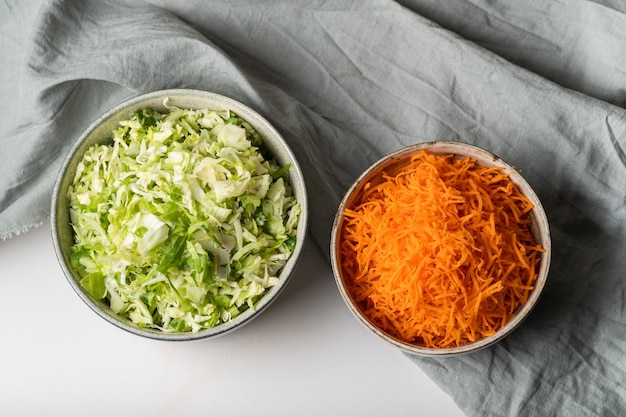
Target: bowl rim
539,223
256,120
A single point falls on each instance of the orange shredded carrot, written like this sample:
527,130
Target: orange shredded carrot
440,253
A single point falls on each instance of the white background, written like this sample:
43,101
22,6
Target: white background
306,355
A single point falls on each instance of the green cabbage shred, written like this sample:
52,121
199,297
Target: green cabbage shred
183,222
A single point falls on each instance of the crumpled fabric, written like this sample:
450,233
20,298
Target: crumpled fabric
541,84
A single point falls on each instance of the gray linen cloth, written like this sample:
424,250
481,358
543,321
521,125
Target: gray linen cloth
539,83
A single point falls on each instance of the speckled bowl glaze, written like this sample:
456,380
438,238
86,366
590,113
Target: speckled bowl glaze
540,230
100,132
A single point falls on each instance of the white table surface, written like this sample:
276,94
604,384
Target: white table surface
304,356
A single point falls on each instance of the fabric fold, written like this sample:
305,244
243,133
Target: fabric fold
579,45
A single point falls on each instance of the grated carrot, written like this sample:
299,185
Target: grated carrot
440,253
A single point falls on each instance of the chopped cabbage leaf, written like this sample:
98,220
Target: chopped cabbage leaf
181,223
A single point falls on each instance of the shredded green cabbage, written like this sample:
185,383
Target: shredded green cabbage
182,222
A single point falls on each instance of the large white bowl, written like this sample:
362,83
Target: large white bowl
539,228
100,132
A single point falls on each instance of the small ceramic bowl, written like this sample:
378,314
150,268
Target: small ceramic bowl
539,229
99,132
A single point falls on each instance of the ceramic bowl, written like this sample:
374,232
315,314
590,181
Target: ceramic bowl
99,132
539,229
